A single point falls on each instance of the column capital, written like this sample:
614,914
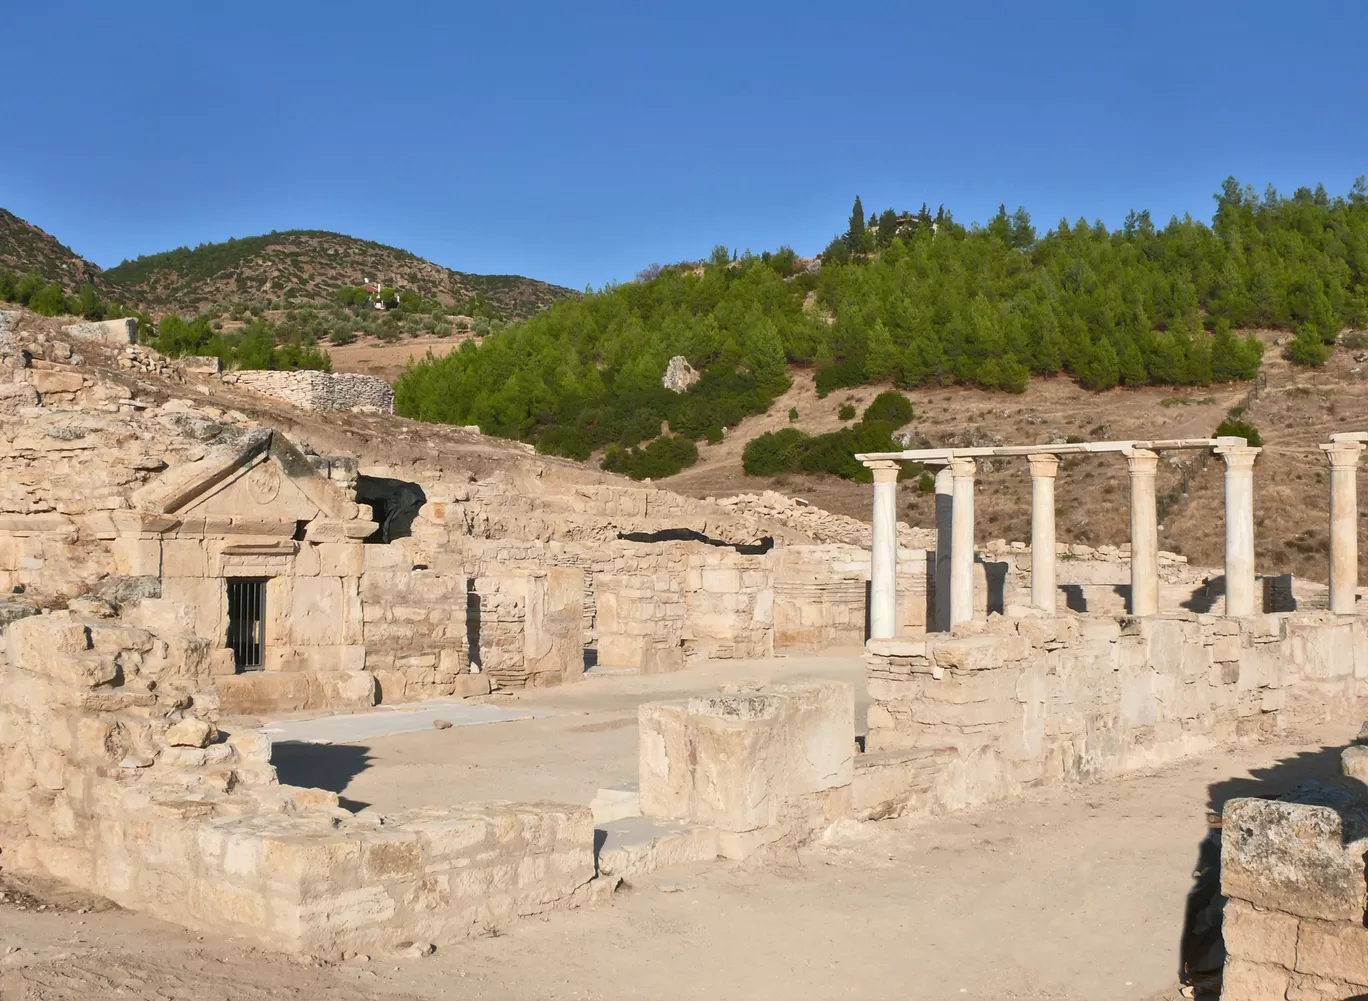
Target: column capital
1238,457
962,468
1141,461
1043,464
884,470
1343,454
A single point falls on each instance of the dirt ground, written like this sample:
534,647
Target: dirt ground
586,740
1066,894
372,356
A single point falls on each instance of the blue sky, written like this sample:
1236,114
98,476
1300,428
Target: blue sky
578,143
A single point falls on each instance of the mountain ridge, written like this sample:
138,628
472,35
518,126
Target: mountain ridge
271,270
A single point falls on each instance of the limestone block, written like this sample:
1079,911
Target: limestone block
184,558
50,381
1243,980
977,653
342,559
742,762
1259,935
259,692
1334,949
190,732
316,611
1226,648
134,557
1303,855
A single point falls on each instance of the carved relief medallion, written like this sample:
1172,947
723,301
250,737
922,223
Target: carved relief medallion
263,483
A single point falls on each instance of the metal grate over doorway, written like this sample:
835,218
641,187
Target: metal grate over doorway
247,621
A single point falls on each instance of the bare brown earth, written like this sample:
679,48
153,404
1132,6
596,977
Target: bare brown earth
372,356
1067,894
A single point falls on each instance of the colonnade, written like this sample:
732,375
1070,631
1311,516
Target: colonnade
955,496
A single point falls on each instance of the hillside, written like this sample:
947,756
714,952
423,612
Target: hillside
25,249
308,266
921,302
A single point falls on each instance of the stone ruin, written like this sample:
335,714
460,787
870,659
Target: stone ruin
176,555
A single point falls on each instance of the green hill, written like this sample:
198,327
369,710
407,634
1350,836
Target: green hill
917,300
301,267
27,250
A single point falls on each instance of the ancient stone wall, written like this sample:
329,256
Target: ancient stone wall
1049,700
1292,871
115,777
320,390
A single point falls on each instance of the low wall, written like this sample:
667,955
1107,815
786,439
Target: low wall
115,778
320,390
1079,698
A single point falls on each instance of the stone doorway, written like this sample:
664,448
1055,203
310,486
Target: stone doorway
247,622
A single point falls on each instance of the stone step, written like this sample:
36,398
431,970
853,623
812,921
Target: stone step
606,671
634,846
893,783
616,803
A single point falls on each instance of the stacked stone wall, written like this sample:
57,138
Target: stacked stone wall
115,778
1051,700
320,390
1293,875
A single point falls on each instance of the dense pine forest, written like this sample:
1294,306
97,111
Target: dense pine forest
917,299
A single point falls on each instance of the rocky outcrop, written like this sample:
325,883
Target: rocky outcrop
679,375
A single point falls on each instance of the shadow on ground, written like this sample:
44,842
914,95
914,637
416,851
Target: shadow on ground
322,766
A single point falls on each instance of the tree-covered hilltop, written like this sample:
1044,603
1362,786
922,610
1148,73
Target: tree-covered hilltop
918,299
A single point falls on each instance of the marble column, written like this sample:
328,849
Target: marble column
1239,528
962,541
1143,465
1043,469
883,563
945,528
1344,459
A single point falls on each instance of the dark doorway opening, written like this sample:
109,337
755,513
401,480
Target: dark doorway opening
247,621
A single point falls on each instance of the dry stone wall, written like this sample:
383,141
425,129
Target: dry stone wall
1292,871
320,390
1050,700
115,777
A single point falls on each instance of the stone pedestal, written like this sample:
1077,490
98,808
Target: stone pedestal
1143,464
1239,518
883,564
962,541
1043,470
1344,459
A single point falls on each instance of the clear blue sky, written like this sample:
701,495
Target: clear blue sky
579,143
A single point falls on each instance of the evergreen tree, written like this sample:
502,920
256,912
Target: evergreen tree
855,235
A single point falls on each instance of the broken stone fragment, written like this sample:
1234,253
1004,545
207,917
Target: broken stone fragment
441,724
190,733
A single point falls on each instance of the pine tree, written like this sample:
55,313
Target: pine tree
855,236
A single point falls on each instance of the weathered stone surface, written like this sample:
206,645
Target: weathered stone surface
766,764
1336,950
1300,855
1243,980
190,732
1259,935
679,375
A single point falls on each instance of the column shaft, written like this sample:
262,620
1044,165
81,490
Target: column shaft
1143,465
1239,526
1344,459
1043,470
945,513
883,564
962,542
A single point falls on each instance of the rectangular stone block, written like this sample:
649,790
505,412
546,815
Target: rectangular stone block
742,761
1334,949
1259,935
1299,857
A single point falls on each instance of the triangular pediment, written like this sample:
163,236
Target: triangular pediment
263,476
